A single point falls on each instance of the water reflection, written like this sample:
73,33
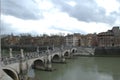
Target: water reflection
31,73
84,68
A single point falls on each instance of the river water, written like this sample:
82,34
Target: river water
84,68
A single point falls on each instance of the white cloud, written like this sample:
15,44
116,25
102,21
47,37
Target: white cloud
44,4
72,3
109,5
117,22
54,21
59,19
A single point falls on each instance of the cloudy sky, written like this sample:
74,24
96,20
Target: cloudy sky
59,16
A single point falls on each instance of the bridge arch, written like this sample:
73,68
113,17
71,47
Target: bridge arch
73,50
66,53
12,73
55,58
38,64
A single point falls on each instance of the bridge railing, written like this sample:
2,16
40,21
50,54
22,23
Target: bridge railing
30,55
7,60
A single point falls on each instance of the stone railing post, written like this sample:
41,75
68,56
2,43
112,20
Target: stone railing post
48,51
62,55
53,48
22,54
10,53
62,47
37,49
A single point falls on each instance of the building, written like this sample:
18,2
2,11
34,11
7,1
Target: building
10,40
111,38
71,40
79,40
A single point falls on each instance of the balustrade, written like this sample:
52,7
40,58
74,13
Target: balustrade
30,55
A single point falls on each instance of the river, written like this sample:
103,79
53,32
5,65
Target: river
84,68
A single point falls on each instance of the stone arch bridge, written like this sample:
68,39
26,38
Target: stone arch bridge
14,69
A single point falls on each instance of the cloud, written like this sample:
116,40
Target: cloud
86,10
25,9
115,5
57,16
6,28
118,1
66,30
30,26
53,25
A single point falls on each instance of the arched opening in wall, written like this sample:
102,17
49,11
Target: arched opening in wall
73,51
11,74
56,58
38,64
66,54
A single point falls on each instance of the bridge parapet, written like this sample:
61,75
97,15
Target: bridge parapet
31,55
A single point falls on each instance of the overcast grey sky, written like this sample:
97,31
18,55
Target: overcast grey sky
59,16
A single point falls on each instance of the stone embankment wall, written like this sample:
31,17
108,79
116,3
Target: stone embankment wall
85,51
107,51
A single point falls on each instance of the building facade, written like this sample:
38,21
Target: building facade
111,38
79,40
71,40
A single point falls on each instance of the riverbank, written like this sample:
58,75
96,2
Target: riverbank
99,52
107,51
85,51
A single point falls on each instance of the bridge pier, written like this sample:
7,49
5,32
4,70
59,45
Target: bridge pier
62,59
48,65
44,65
